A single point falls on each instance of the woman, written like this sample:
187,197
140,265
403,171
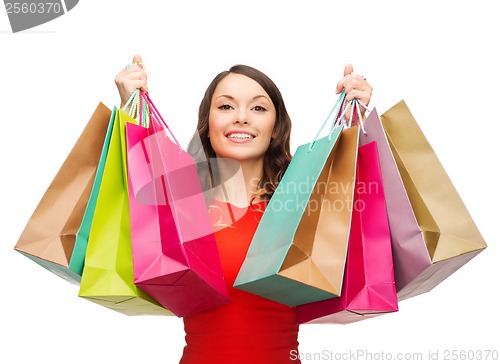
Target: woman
242,121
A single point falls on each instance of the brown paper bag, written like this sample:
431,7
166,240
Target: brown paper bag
50,234
450,235
298,252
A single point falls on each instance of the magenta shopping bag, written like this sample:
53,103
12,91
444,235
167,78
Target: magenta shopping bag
368,288
175,255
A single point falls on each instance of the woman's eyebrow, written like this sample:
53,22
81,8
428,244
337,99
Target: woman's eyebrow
226,96
253,98
259,96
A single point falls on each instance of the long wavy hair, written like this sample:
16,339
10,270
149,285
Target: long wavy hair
277,157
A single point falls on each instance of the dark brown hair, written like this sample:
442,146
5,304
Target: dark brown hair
277,156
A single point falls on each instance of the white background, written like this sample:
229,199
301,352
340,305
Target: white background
440,57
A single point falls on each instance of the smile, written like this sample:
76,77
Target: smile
239,136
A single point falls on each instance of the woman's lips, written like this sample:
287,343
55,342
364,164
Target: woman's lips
239,136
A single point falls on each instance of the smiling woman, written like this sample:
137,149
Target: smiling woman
241,121
242,136
242,101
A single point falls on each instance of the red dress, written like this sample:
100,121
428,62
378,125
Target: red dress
250,329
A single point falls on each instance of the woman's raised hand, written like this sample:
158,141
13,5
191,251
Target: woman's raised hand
355,86
131,78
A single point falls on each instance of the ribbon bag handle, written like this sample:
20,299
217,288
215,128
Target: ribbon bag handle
131,102
155,114
356,107
140,107
336,109
137,107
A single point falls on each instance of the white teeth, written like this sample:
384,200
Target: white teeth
240,136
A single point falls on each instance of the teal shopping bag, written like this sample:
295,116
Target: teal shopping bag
298,252
82,237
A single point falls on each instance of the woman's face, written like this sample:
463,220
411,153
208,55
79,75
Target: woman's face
241,119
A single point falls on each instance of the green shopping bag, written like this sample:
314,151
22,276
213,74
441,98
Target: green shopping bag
82,236
108,276
298,252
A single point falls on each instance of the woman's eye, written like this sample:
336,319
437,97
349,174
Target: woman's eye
225,107
259,108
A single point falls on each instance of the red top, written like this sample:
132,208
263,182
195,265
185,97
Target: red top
250,329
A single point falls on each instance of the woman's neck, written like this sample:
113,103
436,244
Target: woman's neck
239,181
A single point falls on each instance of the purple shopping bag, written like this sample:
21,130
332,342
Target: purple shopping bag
432,233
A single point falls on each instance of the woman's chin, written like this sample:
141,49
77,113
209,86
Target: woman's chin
239,157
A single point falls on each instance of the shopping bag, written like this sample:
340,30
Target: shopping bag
50,234
368,289
298,252
432,232
82,236
410,255
108,275
176,260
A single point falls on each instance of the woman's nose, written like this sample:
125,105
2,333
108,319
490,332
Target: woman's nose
241,118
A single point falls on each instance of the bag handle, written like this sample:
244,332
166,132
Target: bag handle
157,117
138,108
356,107
337,109
141,108
355,104
131,101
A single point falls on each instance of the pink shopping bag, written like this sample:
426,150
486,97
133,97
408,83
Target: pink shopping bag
368,288
175,255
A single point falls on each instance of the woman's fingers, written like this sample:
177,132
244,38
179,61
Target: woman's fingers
358,88
355,86
348,69
137,59
133,75
131,78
